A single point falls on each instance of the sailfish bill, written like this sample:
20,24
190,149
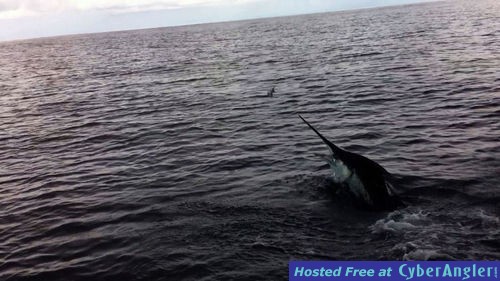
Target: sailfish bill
365,179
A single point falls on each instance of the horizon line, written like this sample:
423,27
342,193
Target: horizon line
21,39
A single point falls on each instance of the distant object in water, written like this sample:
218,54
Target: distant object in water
364,178
270,92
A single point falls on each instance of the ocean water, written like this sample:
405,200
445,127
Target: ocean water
156,155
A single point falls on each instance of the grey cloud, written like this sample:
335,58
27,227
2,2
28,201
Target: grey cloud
140,8
9,6
31,5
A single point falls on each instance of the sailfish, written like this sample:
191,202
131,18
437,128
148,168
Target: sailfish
366,180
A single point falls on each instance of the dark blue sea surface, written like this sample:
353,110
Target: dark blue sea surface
156,155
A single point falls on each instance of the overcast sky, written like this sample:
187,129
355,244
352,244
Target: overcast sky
38,18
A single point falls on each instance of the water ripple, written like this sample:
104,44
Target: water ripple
153,154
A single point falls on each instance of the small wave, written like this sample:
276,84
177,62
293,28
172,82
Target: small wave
359,55
391,226
398,221
426,254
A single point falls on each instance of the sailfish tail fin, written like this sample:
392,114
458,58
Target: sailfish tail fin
331,146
